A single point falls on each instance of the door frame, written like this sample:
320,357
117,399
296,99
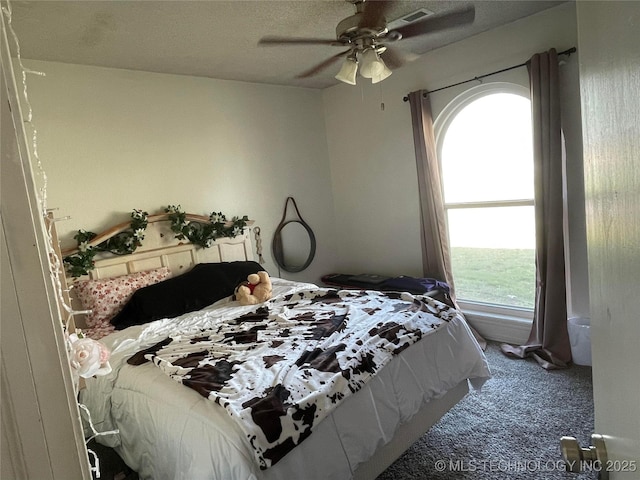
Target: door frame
42,434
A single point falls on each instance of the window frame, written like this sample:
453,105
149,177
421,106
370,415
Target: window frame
441,125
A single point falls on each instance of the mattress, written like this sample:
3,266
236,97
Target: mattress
168,431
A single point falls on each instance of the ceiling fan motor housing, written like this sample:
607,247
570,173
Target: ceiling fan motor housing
349,29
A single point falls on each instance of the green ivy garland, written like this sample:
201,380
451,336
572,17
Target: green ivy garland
124,243
204,234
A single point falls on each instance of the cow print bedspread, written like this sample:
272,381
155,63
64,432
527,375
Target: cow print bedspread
282,368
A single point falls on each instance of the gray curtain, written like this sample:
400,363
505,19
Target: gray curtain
548,341
436,257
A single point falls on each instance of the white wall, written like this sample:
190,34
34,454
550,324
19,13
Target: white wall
114,140
371,150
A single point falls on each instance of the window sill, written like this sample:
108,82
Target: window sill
506,325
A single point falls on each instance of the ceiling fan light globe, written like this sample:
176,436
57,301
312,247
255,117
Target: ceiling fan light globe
370,64
386,71
347,73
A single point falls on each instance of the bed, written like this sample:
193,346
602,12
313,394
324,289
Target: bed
348,412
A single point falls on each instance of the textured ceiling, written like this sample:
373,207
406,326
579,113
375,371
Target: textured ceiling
218,39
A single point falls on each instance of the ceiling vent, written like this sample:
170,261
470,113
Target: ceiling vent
410,18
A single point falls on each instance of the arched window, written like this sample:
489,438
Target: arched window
484,141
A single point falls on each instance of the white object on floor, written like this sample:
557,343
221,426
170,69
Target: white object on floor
580,338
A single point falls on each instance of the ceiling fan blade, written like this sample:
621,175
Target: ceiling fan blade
321,66
395,58
272,40
374,13
437,22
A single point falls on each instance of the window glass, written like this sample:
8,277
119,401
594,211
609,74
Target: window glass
487,177
493,254
487,153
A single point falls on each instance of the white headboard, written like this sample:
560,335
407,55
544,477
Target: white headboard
160,248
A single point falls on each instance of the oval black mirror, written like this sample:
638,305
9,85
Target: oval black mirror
294,244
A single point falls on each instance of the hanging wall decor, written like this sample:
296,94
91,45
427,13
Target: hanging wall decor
289,249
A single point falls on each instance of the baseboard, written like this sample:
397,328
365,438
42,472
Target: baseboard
499,328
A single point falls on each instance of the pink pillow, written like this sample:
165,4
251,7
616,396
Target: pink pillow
107,296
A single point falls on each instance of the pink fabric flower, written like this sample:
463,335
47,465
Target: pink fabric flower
88,357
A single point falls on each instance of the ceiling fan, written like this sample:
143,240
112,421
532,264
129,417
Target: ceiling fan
368,39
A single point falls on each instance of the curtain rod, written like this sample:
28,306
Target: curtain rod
477,79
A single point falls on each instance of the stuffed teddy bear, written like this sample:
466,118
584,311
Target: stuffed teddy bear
256,289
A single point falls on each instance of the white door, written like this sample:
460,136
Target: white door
40,430
609,53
